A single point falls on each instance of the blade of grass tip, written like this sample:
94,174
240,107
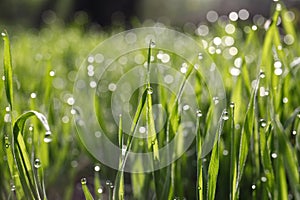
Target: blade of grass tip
246,134
119,182
8,70
21,155
86,192
213,168
233,154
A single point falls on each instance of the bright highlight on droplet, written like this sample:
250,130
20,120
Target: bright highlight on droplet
233,16
217,41
33,95
97,168
52,73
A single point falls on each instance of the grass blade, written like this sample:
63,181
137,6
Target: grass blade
213,168
246,135
87,194
8,69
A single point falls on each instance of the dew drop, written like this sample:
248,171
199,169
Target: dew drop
3,34
48,137
216,100
225,152
253,187
37,163
149,90
186,107
100,190
199,113
262,74
13,188
200,56
225,115
274,155
298,115
97,168
199,188
278,7
7,143
83,181
262,123
108,182
51,73
263,179
285,100
231,105
294,132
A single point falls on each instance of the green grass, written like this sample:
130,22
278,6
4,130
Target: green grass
256,152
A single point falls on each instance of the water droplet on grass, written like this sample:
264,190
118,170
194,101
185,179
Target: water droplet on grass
253,187
278,71
225,115
48,137
83,181
274,155
51,73
200,56
100,190
262,74
37,163
262,123
199,113
13,188
216,100
263,179
149,90
108,182
294,132
97,168
278,7
231,105
185,107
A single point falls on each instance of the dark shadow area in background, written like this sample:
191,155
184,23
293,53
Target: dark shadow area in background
104,12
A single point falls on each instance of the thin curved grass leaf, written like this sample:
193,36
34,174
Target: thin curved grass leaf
22,157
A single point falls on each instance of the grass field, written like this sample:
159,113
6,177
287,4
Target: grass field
256,157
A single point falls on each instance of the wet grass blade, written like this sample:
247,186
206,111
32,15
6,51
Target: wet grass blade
8,74
119,182
22,157
87,194
199,184
233,154
213,168
246,135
